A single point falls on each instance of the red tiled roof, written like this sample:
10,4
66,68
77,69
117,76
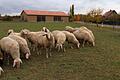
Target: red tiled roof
50,13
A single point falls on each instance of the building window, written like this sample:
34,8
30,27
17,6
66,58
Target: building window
40,18
57,18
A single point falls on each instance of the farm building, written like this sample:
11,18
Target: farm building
109,14
45,16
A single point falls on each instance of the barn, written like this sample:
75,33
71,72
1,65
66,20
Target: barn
43,16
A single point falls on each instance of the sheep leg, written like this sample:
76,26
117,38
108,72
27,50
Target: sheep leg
58,48
38,51
50,51
71,46
46,53
34,47
64,50
8,59
83,43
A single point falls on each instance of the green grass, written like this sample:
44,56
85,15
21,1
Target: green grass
101,62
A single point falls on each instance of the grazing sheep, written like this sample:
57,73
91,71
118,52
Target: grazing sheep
47,42
40,39
1,70
11,47
22,44
70,29
85,28
85,36
70,37
31,37
60,39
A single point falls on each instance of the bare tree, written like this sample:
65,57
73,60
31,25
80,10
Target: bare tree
96,14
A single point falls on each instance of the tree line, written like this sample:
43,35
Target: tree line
96,16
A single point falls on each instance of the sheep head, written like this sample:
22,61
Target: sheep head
10,31
27,55
45,29
17,62
25,31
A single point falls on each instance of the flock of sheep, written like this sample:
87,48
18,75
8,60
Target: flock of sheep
16,44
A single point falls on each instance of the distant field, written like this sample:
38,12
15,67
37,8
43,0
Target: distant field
101,62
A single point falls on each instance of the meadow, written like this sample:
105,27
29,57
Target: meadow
101,62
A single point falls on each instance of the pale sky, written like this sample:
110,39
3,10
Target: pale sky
81,6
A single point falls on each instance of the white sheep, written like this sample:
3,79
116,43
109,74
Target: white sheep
70,29
40,39
85,28
70,37
11,47
22,44
85,36
31,37
47,42
60,39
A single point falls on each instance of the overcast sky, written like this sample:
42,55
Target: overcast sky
81,6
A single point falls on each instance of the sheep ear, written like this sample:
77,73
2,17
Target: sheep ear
48,36
21,61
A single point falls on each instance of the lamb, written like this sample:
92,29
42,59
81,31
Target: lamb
22,44
60,39
11,47
85,36
70,37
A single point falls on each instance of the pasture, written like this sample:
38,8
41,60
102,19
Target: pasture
101,62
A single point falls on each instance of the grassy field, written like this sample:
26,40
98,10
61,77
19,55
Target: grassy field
101,62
